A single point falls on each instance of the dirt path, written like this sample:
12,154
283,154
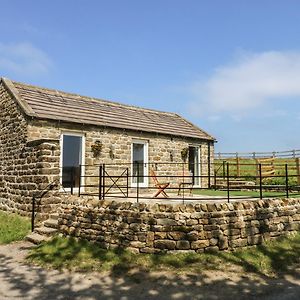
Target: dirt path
19,280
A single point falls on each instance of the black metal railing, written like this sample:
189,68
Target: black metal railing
39,197
127,180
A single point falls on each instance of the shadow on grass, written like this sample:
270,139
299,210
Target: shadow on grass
131,276
269,259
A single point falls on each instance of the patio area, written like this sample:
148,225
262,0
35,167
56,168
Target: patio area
174,198
174,183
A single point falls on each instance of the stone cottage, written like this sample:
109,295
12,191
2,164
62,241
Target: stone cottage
48,135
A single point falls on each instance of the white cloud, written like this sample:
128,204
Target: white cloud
247,83
24,59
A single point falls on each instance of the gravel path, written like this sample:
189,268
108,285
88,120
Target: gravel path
18,280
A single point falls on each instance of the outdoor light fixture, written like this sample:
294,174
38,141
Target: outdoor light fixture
96,148
184,153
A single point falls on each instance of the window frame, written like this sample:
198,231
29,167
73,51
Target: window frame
82,181
145,184
199,164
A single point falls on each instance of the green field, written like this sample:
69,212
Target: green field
248,170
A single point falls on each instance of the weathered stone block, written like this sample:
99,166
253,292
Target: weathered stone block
183,245
176,235
236,243
166,222
199,244
223,242
165,244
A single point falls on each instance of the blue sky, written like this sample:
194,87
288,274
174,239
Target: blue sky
231,67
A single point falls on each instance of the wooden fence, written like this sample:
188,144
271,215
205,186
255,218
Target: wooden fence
255,155
270,166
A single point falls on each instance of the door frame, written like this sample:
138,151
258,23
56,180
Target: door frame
61,143
199,164
146,162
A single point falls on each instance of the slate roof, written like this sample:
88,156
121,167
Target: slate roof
56,105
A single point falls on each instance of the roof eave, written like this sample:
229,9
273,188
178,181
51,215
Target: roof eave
82,122
14,93
209,137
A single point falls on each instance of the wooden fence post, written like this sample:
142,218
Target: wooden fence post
238,173
298,170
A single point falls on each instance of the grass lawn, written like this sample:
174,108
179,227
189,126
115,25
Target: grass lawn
253,194
13,227
269,259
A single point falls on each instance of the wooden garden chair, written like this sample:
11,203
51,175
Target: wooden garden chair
159,185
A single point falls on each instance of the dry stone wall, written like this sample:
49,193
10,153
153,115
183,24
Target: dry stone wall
147,228
26,167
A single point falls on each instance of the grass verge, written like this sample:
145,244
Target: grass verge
12,227
269,259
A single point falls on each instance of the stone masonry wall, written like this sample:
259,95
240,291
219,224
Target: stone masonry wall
30,155
25,167
159,149
147,228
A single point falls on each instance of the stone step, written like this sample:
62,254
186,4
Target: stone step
45,230
51,223
36,238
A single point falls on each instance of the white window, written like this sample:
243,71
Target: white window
139,160
72,160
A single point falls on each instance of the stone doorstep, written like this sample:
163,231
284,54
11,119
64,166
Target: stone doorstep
48,231
36,238
51,223
45,231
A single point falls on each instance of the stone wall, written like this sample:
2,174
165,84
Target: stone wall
159,149
25,167
147,228
30,155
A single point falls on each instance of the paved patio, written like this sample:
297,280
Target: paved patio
174,198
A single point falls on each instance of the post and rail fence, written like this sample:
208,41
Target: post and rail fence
272,162
255,155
